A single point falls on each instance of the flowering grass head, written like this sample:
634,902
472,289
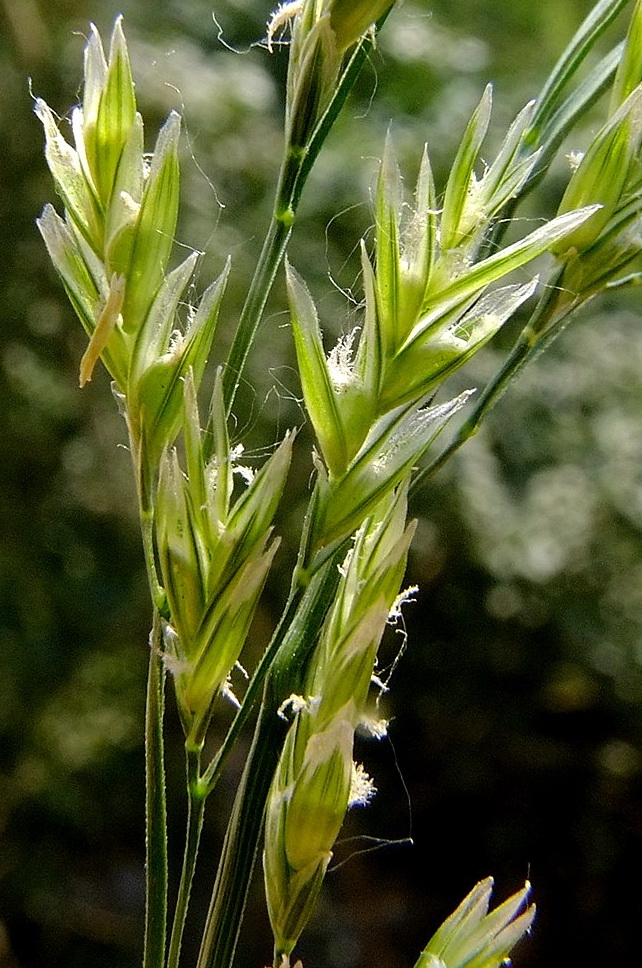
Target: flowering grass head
323,32
432,300
474,937
113,244
316,779
215,550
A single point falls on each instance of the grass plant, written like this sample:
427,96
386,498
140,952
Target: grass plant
439,281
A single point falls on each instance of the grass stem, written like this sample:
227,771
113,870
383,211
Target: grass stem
155,809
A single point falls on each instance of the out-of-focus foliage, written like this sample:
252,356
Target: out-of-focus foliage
517,737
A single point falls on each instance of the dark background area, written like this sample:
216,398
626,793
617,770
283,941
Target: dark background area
515,738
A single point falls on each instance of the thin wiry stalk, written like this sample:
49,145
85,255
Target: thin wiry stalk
155,809
267,267
196,811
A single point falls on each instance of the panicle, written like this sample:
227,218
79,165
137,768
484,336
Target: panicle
323,32
215,551
431,302
473,937
314,783
113,244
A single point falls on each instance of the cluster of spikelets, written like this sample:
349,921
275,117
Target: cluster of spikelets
114,243
431,293
435,291
214,554
322,31
316,779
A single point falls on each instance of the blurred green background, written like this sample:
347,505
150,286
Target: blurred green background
516,729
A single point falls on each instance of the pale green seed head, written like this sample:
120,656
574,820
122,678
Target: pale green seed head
322,32
223,629
473,937
214,555
121,214
316,779
419,256
210,619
